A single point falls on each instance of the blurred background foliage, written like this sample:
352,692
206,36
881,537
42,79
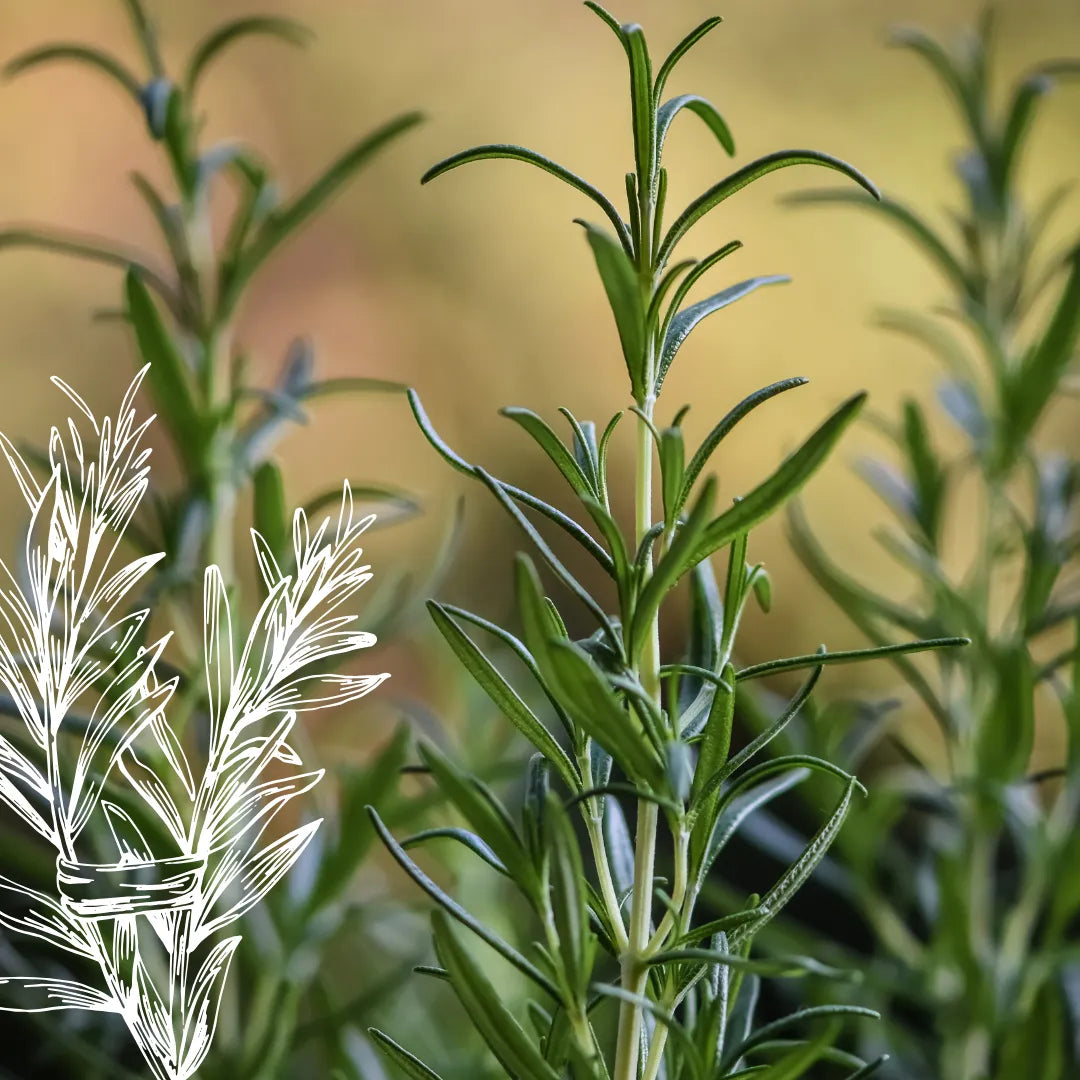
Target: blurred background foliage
398,283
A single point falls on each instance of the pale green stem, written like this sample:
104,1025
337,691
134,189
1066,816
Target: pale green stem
634,971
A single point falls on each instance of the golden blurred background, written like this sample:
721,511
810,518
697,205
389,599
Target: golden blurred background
478,290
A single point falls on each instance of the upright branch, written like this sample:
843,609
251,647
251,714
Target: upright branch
629,728
1007,339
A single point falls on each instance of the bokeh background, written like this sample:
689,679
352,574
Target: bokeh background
478,290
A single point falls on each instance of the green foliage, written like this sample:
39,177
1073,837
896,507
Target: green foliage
621,975
968,875
280,1009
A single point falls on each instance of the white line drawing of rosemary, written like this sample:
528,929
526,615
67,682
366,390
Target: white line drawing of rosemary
92,690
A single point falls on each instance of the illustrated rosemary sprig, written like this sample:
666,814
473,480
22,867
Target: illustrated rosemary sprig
150,916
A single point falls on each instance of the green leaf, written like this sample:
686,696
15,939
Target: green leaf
553,446
506,1038
503,695
681,50
1045,364
908,221
623,290
271,519
282,222
943,65
486,816
578,686
796,874
567,524
168,380
699,107
452,907
847,656
81,54
716,735
145,34
288,30
641,101
684,321
672,456
530,157
705,806
794,1065
549,557
94,249
1020,114
801,1016
723,429
772,493
569,907
747,175
467,839
410,1065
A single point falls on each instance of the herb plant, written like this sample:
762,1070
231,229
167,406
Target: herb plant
968,875
624,976
222,429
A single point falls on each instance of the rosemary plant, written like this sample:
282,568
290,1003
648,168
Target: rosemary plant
618,920
222,430
969,878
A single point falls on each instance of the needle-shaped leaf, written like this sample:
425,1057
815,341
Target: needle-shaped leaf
216,42
452,907
549,557
579,687
923,45
1048,359
625,297
701,108
270,515
772,493
503,695
486,816
727,187
80,54
566,523
531,157
681,50
796,874
683,322
641,100
553,446
284,221
505,1037
907,220
409,1064
92,248
1025,99
168,380
847,656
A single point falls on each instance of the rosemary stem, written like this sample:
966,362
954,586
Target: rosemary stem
634,974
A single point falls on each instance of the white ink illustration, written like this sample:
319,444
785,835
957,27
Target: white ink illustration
190,854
